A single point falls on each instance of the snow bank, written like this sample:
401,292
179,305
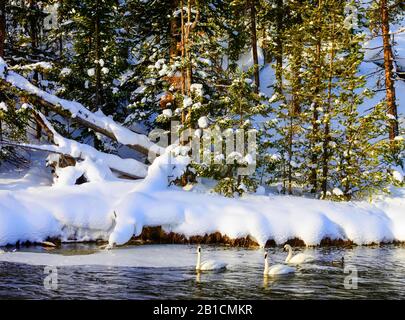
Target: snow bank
263,218
69,212
116,210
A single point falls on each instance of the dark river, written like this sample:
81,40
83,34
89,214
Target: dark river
167,271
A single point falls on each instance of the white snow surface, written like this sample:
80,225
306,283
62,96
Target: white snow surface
115,210
246,59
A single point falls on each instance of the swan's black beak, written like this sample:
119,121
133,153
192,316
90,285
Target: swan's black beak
265,255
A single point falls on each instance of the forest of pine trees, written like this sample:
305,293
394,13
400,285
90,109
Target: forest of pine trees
147,64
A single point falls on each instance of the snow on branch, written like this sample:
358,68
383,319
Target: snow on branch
79,114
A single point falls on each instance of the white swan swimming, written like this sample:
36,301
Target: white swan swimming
277,269
208,265
298,258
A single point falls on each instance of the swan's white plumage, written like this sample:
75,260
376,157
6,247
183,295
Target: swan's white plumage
298,258
212,265
208,265
280,269
301,258
277,269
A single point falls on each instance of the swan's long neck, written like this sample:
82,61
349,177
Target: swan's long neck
266,266
289,255
198,265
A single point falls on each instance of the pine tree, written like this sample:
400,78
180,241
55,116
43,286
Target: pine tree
13,119
239,104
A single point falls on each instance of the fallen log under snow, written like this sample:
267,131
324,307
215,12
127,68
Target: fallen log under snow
132,170
10,80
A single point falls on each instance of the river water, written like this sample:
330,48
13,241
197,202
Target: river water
167,272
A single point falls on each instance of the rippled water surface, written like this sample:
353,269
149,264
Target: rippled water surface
167,271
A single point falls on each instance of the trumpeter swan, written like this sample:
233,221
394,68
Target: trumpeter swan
298,258
209,265
277,269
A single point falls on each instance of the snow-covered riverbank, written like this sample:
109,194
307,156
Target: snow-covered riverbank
116,210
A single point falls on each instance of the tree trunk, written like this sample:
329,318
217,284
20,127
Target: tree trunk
2,45
60,35
2,26
290,152
174,32
279,47
189,70
388,67
294,106
326,134
183,76
98,98
254,43
33,32
315,127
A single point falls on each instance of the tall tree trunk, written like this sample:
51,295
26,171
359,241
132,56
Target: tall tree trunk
33,32
60,36
328,110
2,45
189,70
33,25
294,111
2,26
294,106
253,38
279,47
98,98
315,115
388,67
183,76
174,29
315,126
290,151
